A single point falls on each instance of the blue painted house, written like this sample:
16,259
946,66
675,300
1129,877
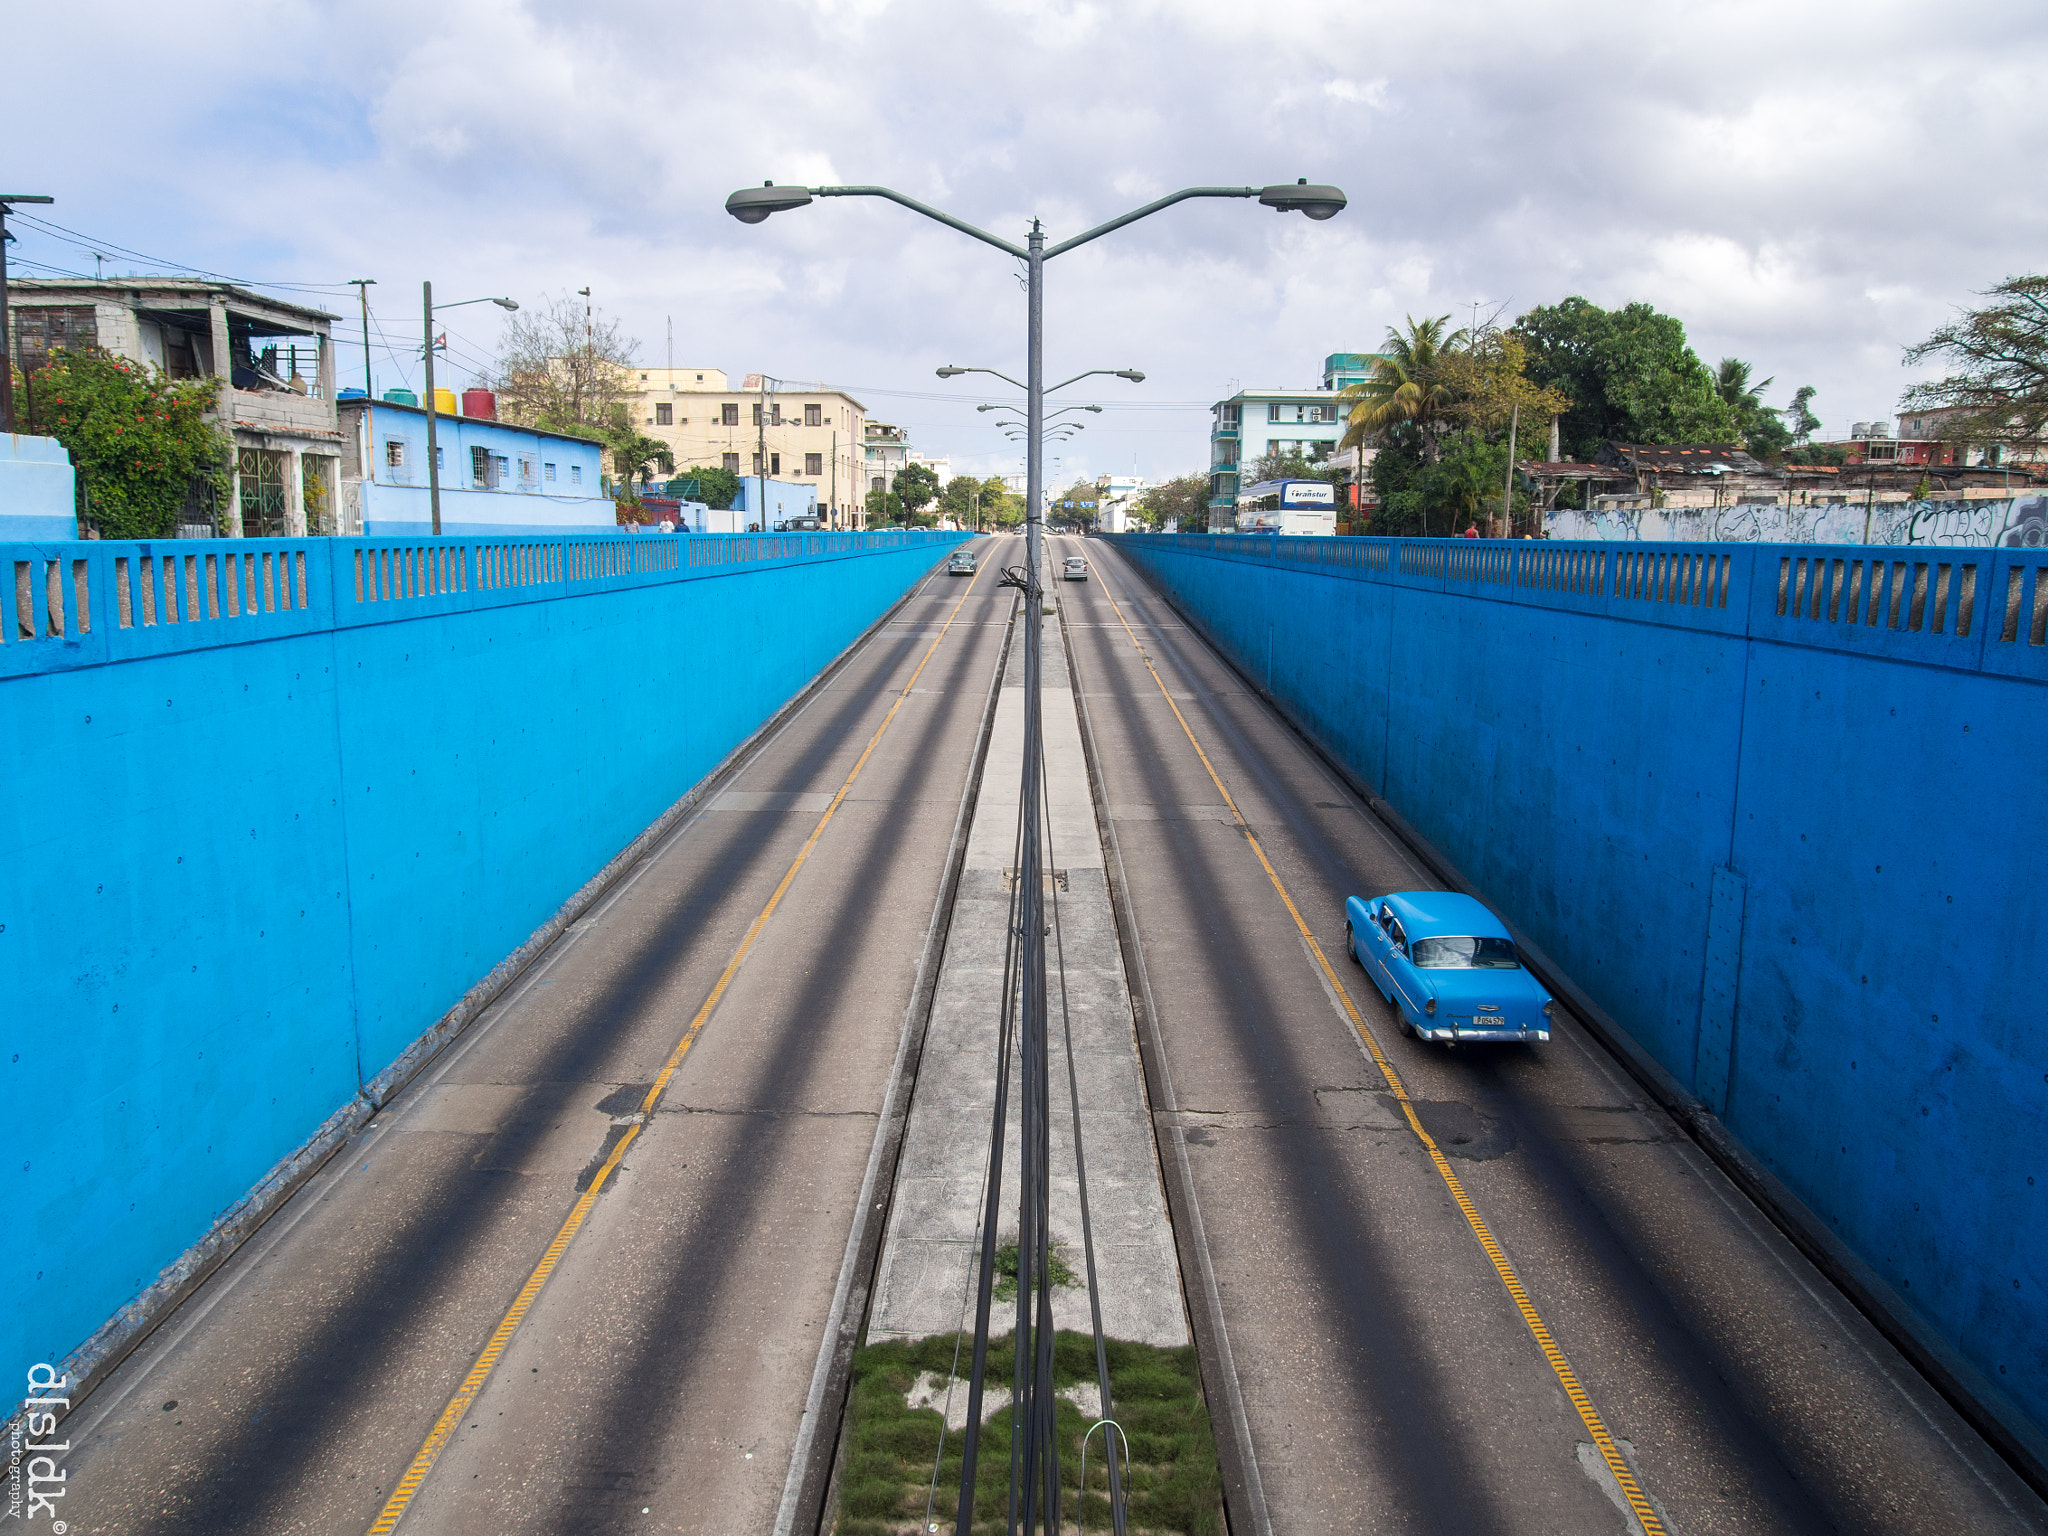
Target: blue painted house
495,477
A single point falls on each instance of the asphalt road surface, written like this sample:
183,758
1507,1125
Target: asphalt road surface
1369,1363
1388,1380
660,1377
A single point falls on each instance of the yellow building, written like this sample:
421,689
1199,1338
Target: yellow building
813,436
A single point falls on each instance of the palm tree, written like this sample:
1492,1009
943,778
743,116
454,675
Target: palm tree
1731,383
1403,395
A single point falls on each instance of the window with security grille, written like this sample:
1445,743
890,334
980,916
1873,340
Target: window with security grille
729,416
664,414
814,463
814,416
731,461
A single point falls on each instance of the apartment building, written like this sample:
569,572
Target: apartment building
276,366
812,436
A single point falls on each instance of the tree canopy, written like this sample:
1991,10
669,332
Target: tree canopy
717,487
915,485
558,372
1181,503
1629,373
138,439
1999,352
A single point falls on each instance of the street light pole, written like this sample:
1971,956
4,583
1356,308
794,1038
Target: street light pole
1034,1482
433,444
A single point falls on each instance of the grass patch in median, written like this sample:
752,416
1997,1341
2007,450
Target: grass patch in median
1175,1485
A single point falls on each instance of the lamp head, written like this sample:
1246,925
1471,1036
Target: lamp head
1095,408
506,304
1132,374
1317,202
750,205
950,372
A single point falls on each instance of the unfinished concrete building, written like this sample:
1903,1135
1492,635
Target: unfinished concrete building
275,361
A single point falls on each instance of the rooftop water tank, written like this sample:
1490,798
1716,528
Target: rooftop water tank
480,404
444,402
401,397
351,394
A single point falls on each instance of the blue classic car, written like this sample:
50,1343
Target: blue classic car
1448,965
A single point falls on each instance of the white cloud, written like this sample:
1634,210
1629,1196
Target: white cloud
1808,187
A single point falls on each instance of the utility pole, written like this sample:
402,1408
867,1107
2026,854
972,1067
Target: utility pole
761,451
7,202
1507,490
363,285
433,445
589,353
834,514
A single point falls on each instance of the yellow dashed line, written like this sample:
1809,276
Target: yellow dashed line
1503,1266
472,1384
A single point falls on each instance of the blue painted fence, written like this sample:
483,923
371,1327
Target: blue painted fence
273,806
1777,808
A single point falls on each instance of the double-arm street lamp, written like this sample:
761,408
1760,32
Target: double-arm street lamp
1035,1487
427,308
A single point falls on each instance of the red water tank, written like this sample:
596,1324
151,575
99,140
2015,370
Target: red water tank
480,404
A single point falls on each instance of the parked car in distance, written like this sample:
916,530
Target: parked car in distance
962,564
1076,569
1448,966
805,523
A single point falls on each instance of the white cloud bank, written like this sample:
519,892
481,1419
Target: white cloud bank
1810,187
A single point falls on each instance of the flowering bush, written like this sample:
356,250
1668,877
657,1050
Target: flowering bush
138,438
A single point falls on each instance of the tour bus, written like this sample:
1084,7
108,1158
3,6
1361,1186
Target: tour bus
1288,506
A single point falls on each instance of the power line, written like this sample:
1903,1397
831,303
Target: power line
91,244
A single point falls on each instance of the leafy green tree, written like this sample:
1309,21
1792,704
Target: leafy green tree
717,487
1003,507
961,500
1404,398
915,486
884,508
1291,466
1460,490
1629,373
1181,503
138,439
1817,453
1999,390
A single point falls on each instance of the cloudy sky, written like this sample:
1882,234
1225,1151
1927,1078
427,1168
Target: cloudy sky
1810,186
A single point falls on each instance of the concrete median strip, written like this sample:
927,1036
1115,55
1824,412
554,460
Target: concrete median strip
923,1282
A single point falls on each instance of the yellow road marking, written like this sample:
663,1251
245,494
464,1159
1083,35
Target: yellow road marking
1502,1265
472,1384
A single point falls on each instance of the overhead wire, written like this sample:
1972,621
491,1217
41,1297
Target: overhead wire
87,242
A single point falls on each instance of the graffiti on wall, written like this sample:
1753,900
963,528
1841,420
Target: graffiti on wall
2015,522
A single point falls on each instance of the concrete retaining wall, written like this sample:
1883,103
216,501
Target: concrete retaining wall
273,806
1777,808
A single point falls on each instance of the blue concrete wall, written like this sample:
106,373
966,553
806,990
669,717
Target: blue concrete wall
273,806
1777,809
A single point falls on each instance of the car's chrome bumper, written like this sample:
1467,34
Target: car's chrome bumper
1467,1032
